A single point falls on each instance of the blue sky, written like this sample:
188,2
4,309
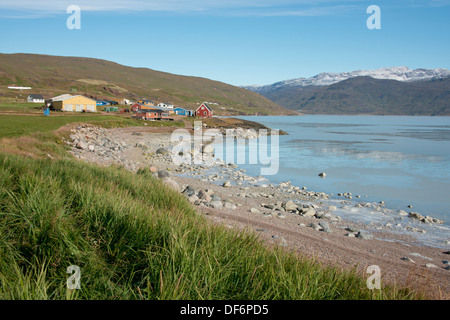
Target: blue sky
237,42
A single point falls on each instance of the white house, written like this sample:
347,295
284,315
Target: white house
35,98
165,105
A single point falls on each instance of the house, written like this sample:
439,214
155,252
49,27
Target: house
35,98
136,107
146,103
183,112
180,111
152,114
75,103
128,102
165,105
204,111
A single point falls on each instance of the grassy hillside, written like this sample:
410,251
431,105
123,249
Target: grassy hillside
54,75
366,95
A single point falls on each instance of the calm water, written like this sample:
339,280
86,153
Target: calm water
401,160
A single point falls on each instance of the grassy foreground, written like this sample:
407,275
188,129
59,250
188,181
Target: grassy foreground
135,239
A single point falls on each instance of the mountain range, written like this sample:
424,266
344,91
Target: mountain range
389,91
100,79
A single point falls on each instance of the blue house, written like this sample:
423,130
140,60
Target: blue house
180,111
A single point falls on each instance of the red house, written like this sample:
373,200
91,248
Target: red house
136,107
204,111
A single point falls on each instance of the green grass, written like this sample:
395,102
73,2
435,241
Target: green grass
21,107
17,125
134,238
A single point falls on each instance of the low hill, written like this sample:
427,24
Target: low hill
366,95
54,75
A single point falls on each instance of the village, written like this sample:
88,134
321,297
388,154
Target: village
142,109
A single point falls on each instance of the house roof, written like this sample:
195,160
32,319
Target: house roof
70,97
206,105
150,110
36,96
57,98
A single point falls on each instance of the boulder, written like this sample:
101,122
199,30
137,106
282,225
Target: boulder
330,217
226,184
153,170
254,210
289,206
162,151
163,174
325,227
364,235
216,204
172,183
315,226
193,198
81,145
204,195
310,212
229,205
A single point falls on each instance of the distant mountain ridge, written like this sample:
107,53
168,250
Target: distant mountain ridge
403,74
387,91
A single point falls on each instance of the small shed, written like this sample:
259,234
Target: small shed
111,109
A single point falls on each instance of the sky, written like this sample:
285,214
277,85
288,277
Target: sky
240,42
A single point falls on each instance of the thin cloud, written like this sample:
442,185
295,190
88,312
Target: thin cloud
267,8
166,5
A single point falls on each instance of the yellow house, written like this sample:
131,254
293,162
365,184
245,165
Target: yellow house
75,103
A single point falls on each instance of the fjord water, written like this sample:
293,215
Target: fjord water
402,160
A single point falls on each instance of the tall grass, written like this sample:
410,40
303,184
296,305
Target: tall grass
133,238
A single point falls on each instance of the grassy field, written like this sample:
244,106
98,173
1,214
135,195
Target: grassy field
16,125
21,107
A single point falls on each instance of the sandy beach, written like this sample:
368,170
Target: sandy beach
293,217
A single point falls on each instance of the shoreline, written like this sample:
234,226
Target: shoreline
272,212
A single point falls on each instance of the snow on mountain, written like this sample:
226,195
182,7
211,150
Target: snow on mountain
394,73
